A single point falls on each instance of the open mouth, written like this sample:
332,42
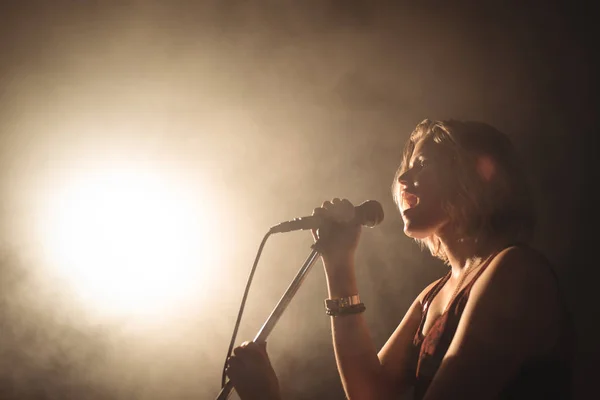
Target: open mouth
409,201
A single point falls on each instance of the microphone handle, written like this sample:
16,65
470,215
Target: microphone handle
369,213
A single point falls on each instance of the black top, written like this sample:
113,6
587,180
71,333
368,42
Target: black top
548,377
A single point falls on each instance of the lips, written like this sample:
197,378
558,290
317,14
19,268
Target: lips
409,200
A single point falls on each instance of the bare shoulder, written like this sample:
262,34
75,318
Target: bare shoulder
519,290
428,288
520,267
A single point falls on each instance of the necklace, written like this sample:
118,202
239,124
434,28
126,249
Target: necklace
462,279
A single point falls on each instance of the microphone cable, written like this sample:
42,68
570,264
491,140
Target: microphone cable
241,311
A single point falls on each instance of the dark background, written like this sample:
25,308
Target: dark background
285,104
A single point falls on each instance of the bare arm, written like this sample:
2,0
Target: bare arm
355,353
511,316
365,374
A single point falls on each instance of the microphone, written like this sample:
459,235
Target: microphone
369,213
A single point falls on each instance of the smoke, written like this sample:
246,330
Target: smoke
283,105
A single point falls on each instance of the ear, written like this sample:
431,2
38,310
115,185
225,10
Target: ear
486,167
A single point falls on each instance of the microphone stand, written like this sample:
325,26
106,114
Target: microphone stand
285,300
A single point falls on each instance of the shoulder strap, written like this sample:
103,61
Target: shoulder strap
486,264
426,301
434,291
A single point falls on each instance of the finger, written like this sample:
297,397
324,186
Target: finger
336,201
322,213
243,363
347,211
234,363
252,346
315,234
239,351
248,354
327,205
259,348
234,371
319,211
347,203
254,354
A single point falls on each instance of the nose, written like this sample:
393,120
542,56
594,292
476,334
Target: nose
405,179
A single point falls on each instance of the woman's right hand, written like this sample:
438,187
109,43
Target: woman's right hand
338,239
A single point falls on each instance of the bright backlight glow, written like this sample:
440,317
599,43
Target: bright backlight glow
129,241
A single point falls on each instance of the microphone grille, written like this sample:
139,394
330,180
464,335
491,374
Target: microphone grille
370,213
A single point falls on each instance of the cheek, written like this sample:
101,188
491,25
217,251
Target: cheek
435,198
442,183
432,187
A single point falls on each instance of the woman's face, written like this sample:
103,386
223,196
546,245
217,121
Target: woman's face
423,188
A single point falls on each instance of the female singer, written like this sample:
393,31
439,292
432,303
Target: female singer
493,327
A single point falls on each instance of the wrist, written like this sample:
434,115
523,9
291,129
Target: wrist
341,283
339,260
341,266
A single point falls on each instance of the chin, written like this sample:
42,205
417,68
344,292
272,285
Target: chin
420,228
415,233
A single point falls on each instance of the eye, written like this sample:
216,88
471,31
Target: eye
421,162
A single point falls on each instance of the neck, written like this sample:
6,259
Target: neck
463,253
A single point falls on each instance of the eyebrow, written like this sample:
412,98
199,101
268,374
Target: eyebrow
413,157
